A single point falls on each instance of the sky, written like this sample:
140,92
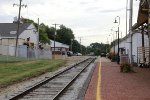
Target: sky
90,20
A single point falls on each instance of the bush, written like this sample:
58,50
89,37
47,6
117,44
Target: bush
113,57
126,68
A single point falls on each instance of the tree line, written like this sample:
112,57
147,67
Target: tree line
65,35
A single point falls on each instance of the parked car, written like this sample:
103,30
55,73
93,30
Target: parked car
103,54
69,53
78,54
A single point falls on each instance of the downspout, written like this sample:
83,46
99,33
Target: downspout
143,50
149,27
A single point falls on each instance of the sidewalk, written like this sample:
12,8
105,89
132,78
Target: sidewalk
119,86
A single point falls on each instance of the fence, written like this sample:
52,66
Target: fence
7,53
143,55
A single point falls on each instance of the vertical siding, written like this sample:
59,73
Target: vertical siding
30,32
136,42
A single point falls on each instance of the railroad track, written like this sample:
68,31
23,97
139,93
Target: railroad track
53,87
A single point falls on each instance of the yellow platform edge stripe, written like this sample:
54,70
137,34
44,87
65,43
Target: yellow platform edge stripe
98,92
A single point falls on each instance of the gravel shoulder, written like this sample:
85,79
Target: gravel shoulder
6,92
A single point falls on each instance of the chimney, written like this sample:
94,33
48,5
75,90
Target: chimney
16,19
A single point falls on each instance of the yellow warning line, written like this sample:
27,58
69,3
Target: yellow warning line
98,92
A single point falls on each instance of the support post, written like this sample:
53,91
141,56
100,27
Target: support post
149,31
143,49
130,29
118,58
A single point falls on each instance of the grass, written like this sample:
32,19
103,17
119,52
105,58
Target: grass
4,59
13,72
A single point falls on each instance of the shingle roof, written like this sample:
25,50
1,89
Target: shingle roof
58,44
6,28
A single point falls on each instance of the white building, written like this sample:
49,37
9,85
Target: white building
8,33
60,48
136,43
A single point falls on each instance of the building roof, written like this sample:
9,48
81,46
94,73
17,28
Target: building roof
128,36
142,13
58,44
10,29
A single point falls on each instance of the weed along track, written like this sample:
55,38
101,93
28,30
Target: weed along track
53,87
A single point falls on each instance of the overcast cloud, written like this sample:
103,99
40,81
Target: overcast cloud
89,19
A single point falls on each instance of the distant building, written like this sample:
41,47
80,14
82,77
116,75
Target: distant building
124,45
8,33
60,48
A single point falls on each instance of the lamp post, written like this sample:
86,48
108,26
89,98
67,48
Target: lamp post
71,44
113,43
118,37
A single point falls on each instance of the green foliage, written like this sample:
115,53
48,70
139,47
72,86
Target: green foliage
98,48
50,33
43,31
126,68
76,46
64,35
43,36
112,56
25,20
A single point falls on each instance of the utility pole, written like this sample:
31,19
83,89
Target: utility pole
107,41
38,33
113,39
18,24
55,37
126,17
80,45
71,44
115,42
121,35
130,28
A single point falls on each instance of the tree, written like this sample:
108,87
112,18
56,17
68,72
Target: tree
43,33
51,32
98,48
26,20
64,35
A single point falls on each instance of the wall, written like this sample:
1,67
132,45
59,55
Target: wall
25,52
11,41
30,32
136,42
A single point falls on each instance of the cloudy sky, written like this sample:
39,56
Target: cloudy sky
91,20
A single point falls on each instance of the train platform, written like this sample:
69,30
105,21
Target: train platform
107,83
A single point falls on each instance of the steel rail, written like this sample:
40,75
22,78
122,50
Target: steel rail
71,82
25,92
